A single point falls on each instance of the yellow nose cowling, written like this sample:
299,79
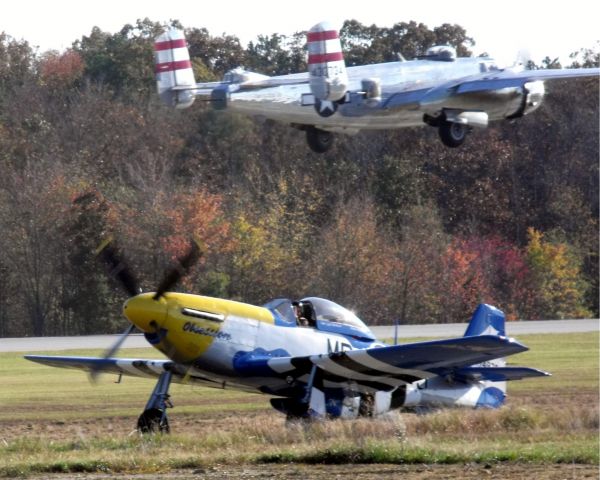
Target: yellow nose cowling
146,313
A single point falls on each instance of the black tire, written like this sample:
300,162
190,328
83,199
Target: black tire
319,140
453,134
152,421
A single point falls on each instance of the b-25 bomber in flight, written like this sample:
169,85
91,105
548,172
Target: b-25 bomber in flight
315,358
438,89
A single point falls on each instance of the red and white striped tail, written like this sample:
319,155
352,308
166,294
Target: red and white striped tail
326,66
173,69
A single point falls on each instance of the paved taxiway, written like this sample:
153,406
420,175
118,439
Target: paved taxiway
513,329
37,344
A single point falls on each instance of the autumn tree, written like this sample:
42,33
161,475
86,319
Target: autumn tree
465,282
364,44
16,61
92,303
505,271
36,200
273,238
124,61
277,54
216,54
60,70
352,261
555,273
416,281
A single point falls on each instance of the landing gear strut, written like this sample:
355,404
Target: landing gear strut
367,405
154,417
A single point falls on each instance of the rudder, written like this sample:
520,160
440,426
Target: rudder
326,66
486,320
173,67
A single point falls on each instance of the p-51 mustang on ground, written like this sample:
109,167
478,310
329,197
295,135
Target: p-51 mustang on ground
449,93
314,357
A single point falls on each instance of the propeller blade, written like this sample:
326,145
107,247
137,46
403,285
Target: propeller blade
117,267
111,351
180,269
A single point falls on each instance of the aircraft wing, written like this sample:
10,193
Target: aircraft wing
385,368
132,367
509,78
420,95
120,366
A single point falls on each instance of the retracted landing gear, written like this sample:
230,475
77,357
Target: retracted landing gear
154,417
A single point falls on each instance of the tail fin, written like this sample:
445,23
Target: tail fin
326,66
486,320
174,74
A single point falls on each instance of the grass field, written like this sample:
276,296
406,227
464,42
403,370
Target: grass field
54,421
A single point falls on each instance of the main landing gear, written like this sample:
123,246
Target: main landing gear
154,417
452,134
318,140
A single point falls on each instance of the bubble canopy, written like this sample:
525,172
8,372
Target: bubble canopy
326,310
327,315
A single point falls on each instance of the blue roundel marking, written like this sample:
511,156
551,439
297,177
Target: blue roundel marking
491,397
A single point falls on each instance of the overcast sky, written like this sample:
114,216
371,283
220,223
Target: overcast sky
501,29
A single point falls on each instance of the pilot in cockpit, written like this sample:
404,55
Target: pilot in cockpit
304,314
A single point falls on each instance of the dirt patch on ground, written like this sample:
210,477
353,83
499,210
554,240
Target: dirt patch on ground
101,427
369,472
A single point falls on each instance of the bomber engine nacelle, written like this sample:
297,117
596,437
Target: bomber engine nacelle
532,96
174,74
326,66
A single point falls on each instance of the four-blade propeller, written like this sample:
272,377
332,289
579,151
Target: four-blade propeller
118,270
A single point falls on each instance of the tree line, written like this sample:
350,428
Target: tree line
390,224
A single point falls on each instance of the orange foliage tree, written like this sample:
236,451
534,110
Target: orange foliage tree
61,69
464,281
158,227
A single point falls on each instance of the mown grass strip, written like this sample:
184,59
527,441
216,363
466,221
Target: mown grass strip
161,453
385,453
